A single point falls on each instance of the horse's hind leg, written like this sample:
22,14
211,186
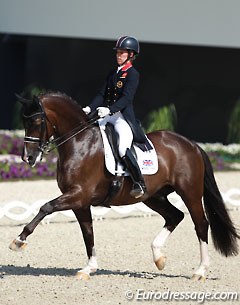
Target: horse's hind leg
201,226
172,216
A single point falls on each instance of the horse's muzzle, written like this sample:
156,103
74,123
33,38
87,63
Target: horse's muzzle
31,159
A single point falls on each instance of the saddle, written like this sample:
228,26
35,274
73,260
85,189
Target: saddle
144,153
113,138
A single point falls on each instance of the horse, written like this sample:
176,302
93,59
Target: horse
183,167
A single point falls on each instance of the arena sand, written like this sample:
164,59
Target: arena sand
43,274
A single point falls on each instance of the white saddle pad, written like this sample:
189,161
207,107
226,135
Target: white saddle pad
147,160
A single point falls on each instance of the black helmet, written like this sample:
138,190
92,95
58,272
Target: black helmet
128,43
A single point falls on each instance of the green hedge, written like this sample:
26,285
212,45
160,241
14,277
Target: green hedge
162,118
234,125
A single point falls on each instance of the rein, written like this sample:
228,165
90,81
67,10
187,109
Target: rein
71,134
44,146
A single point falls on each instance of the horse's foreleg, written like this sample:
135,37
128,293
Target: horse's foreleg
84,218
20,242
158,257
64,202
173,217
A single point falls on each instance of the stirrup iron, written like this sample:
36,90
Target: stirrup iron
138,190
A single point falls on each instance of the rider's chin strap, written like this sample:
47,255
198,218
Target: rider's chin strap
128,58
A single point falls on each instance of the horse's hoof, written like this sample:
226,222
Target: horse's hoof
82,276
18,245
161,262
199,278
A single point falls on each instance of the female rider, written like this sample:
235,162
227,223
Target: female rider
114,104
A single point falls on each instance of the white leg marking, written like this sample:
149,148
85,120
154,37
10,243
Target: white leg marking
23,241
91,266
205,262
158,242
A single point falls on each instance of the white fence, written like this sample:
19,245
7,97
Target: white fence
20,211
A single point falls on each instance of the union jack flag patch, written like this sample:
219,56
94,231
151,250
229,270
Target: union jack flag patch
147,163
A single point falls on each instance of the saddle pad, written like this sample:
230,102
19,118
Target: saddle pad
147,160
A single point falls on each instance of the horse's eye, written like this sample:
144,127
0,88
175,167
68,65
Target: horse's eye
34,124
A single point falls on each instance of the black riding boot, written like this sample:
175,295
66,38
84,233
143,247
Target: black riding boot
139,187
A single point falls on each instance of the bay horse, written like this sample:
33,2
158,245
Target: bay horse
84,181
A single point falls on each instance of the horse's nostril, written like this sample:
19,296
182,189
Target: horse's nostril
30,158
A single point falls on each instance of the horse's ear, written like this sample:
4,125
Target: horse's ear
22,100
36,99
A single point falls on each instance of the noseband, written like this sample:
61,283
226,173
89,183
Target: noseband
40,140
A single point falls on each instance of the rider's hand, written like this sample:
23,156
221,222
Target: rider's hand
87,109
103,111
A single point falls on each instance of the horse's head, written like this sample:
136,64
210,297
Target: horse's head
50,118
34,121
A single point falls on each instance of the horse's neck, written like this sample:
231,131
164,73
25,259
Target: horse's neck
65,114
87,137
69,121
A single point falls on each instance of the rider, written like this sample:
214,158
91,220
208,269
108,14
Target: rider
114,104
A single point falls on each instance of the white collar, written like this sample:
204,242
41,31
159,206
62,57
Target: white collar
119,68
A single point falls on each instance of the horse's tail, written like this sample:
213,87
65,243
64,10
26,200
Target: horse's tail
224,234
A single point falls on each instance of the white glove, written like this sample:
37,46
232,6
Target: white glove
87,109
103,111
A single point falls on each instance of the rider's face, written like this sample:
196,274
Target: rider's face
122,56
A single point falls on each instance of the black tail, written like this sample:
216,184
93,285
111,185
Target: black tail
224,234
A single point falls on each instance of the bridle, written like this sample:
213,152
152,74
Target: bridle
46,146
40,140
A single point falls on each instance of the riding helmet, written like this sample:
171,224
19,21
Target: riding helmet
128,43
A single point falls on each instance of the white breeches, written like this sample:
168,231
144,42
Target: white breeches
122,128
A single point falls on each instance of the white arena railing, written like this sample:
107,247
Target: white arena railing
20,211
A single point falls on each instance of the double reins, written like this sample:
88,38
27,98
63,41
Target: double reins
71,134
52,143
